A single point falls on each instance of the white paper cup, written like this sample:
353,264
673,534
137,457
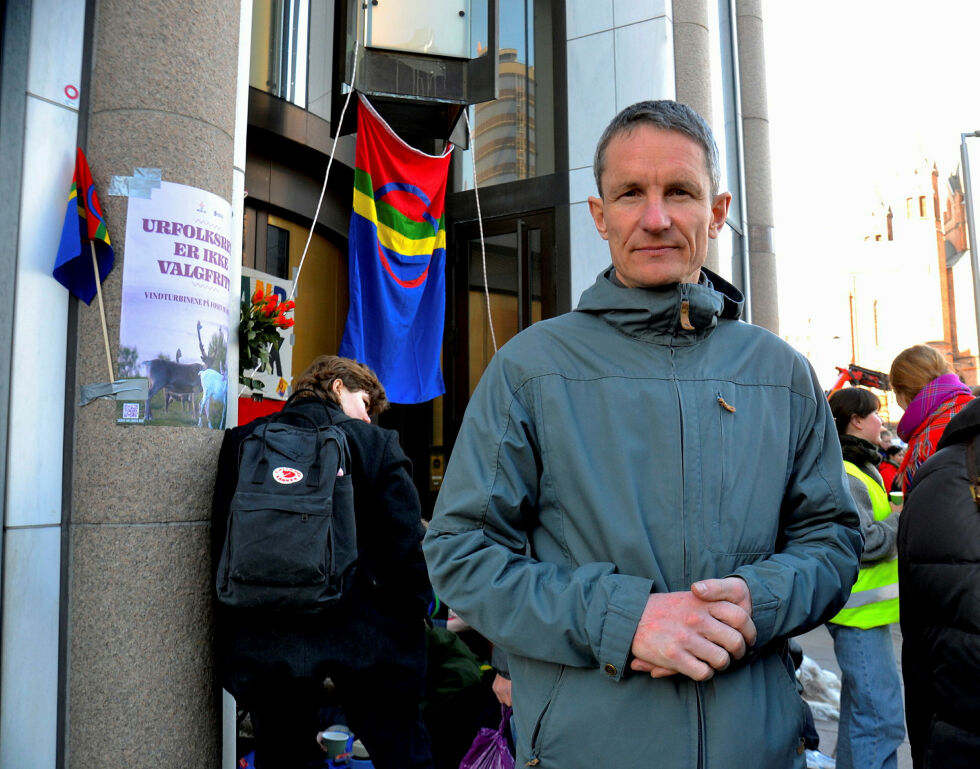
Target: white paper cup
334,742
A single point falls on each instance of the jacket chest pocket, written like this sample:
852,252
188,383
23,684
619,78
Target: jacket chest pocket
744,441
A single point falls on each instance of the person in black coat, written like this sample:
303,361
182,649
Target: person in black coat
372,644
939,594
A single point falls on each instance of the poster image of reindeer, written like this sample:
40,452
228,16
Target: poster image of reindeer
176,292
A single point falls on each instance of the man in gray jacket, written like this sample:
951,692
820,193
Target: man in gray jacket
647,496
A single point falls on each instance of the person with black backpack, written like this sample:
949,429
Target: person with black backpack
319,573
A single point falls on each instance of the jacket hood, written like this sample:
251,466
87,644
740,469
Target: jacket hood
682,312
963,426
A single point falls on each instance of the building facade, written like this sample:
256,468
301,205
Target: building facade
105,634
908,281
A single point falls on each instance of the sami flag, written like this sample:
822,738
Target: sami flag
83,223
397,261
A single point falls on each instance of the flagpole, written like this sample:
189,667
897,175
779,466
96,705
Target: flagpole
105,330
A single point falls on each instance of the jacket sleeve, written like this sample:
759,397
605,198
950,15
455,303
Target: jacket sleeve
879,536
816,560
477,542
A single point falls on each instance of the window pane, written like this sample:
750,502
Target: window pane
277,251
511,284
280,38
501,256
506,131
266,52
436,27
321,58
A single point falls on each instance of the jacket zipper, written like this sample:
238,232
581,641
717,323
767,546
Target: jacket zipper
728,409
680,418
680,415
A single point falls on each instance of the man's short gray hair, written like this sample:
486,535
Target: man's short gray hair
668,116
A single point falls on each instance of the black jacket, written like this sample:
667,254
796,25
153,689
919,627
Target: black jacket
380,621
939,593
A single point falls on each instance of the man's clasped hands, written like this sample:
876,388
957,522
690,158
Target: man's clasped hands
695,632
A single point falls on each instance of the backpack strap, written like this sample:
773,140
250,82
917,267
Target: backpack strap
343,456
972,470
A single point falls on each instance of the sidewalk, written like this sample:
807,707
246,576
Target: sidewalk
819,646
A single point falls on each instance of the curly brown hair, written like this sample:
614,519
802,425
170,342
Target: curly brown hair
325,369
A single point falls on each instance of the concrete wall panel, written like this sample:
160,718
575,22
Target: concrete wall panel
632,11
586,17
591,95
590,250
56,50
37,422
28,718
644,62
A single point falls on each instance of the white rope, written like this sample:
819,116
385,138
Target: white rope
479,220
340,123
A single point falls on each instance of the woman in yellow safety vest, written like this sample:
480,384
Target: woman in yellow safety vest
872,720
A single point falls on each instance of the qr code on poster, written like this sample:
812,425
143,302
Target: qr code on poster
130,411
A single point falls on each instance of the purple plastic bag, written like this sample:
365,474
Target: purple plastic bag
489,749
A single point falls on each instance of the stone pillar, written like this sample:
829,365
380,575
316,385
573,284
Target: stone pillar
692,71
758,175
692,55
140,687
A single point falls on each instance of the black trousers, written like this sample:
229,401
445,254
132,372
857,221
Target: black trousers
381,707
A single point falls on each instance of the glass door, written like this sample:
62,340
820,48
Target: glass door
516,289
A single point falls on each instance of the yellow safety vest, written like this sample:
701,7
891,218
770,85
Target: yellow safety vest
874,597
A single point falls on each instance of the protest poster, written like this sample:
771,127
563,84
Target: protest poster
175,300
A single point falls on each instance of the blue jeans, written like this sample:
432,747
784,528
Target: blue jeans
872,720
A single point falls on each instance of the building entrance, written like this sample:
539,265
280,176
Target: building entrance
520,275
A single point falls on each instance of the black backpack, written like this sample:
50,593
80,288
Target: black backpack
290,542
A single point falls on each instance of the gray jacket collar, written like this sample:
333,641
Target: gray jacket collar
679,313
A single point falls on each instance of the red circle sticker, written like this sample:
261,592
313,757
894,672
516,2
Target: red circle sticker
71,91
287,475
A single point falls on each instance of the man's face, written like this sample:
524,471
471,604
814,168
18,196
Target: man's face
656,210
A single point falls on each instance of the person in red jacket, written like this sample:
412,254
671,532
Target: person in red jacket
889,466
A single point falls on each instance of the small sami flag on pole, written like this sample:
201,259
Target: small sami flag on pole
397,261
73,268
83,225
